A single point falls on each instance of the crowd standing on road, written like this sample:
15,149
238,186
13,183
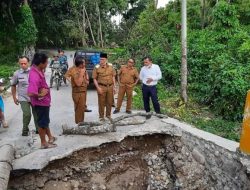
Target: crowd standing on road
30,89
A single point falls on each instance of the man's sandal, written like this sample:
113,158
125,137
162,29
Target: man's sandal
5,125
47,146
51,141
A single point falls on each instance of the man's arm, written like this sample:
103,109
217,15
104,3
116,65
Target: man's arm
33,90
68,75
14,82
13,91
141,74
136,77
99,90
87,77
158,75
94,75
78,77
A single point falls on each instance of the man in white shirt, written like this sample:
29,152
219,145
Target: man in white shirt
150,74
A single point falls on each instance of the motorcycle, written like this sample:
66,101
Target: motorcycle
57,75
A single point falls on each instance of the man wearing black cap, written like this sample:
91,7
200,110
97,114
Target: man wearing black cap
104,80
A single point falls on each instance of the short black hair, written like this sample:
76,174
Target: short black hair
79,60
39,58
23,56
59,50
147,57
103,55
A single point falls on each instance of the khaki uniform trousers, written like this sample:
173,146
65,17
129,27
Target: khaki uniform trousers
79,99
129,94
105,100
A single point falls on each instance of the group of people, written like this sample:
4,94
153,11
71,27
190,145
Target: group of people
30,89
60,60
104,77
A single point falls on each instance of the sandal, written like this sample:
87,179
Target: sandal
47,146
5,125
51,141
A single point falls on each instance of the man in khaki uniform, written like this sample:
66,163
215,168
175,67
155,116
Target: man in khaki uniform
104,80
79,81
128,77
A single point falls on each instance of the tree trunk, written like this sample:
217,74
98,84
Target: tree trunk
29,52
91,31
25,2
184,96
100,24
10,13
83,27
156,4
203,12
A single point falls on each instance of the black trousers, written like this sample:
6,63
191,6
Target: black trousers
150,92
42,113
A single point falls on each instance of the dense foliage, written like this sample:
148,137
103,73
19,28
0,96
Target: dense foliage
26,30
218,52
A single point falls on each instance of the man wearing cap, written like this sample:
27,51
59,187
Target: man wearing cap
104,80
128,77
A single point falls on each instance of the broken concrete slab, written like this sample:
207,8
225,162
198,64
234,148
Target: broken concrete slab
38,159
6,157
7,153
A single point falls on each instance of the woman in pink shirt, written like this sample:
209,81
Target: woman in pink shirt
39,93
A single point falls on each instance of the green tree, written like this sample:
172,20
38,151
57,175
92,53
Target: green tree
26,31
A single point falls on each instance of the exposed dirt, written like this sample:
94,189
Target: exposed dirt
115,166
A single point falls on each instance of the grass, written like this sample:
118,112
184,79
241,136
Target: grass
7,71
197,115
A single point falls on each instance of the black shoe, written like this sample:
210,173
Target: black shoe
87,110
148,116
116,111
128,112
25,134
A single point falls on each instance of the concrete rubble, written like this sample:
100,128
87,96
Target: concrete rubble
6,158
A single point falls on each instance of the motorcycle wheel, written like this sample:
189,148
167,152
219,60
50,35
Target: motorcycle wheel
51,82
57,84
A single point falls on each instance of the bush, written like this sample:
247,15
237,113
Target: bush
26,31
218,56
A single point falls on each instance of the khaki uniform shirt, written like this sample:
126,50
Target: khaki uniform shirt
128,76
74,72
104,75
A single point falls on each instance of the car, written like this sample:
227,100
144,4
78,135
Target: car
92,58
